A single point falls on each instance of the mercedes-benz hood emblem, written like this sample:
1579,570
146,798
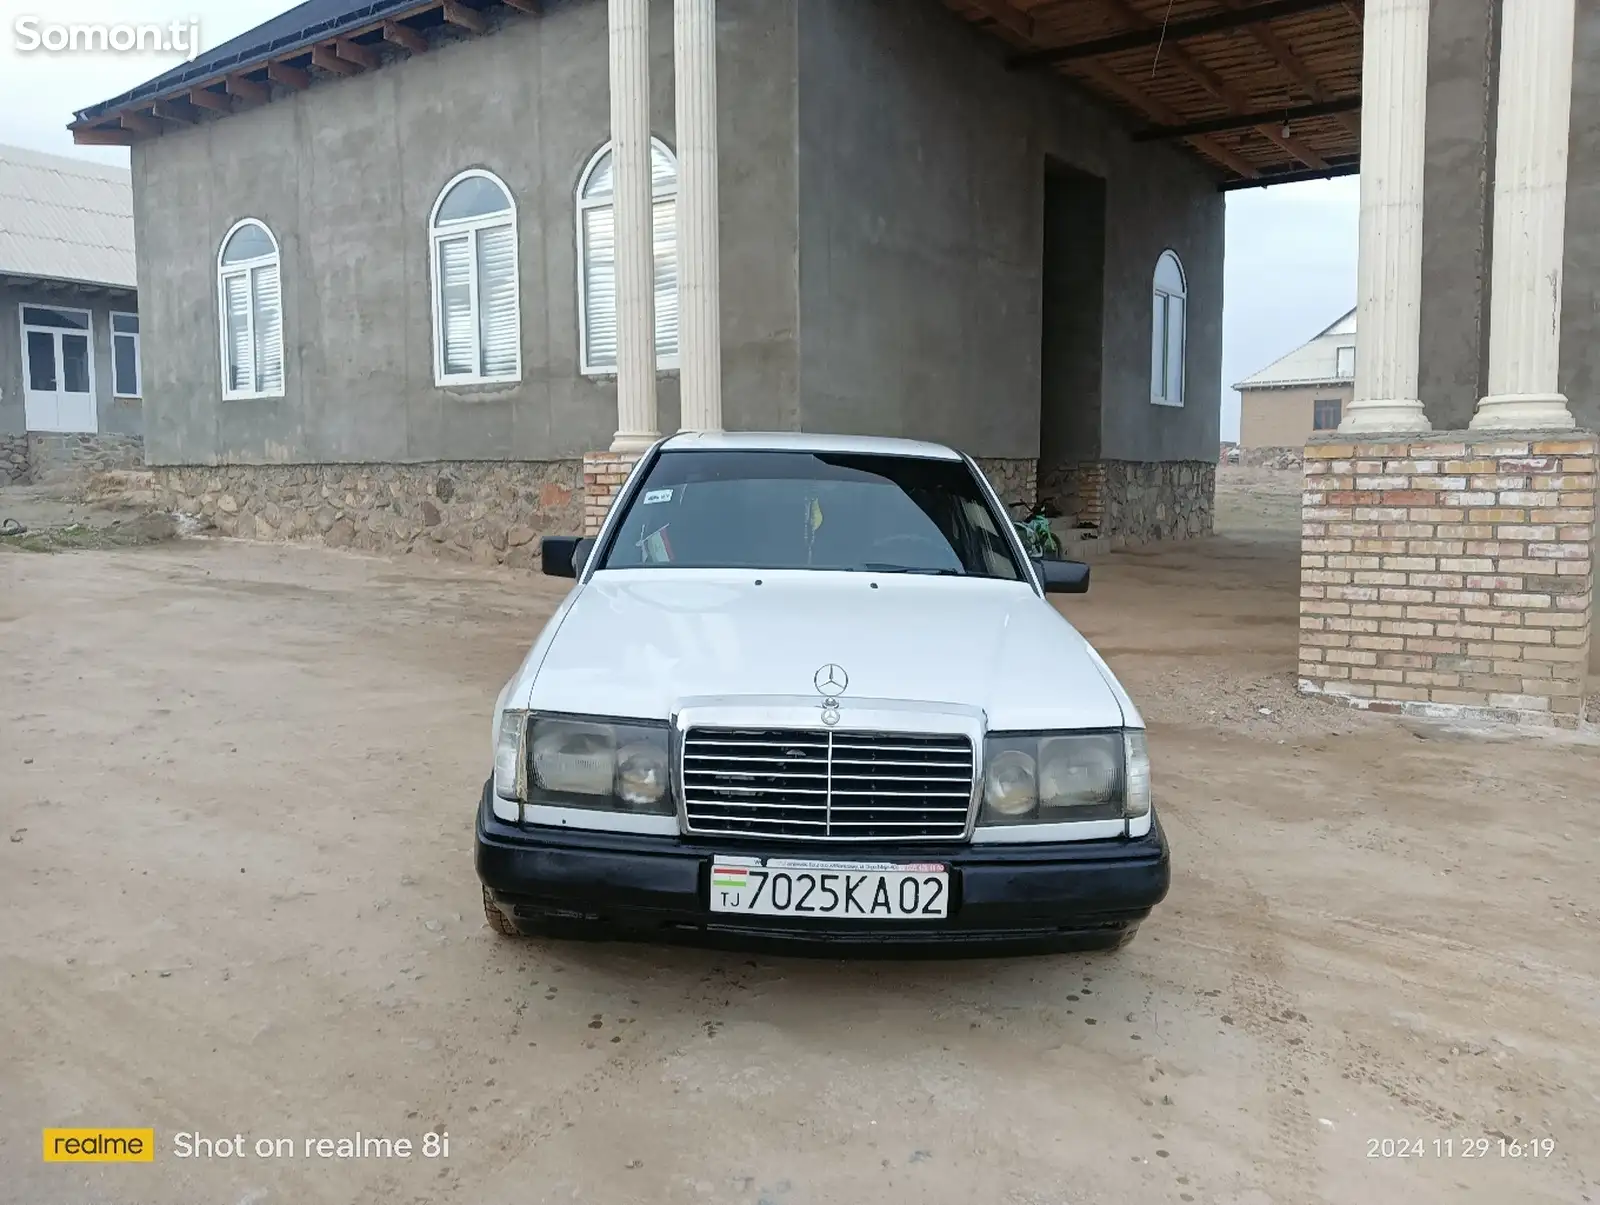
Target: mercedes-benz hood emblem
831,680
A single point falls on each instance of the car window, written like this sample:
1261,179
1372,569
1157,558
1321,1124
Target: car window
812,510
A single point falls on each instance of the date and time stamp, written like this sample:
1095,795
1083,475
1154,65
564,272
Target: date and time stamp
1466,1146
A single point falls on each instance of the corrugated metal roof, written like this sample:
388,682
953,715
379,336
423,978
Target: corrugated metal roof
65,219
301,27
1312,363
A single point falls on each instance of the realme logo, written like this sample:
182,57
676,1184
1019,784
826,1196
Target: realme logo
99,1146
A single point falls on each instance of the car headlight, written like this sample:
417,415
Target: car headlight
608,766
1054,778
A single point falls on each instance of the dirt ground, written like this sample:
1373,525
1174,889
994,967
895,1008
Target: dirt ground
237,785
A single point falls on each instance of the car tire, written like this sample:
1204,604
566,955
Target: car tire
498,921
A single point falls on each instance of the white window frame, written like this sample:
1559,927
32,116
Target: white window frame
438,234
138,365
26,360
664,363
1159,299
1338,362
246,268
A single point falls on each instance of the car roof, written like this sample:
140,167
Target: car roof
805,441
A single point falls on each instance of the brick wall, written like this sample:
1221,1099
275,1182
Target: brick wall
1451,574
603,476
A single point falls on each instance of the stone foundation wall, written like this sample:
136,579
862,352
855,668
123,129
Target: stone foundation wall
1450,574
1166,500
489,512
1132,502
13,460
70,458
1014,480
1077,490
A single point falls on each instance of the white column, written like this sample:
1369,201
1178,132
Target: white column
629,23
1394,99
1530,218
699,261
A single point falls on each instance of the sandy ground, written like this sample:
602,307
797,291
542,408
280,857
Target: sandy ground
237,785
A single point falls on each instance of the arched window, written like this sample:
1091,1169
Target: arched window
477,315
597,260
1167,332
250,305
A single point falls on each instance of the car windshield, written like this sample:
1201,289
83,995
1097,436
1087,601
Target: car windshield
812,510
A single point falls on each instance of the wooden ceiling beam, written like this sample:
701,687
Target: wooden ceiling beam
248,90
205,98
287,76
173,109
140,123
1006,15
1153,110
1170,32
1244,121
324,57
355,52
1215,84
102,136
466,18
404,35
1292,66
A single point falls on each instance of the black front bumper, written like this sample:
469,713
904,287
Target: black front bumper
1061,894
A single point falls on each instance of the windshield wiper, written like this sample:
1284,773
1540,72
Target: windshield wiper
880,567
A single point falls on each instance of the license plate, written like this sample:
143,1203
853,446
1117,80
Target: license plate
885,891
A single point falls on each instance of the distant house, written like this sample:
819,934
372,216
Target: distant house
1305,391
70,389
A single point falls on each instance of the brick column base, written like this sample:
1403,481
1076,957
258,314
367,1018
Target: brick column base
603,475
1450,575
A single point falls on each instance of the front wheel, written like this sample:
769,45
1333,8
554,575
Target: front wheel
498,921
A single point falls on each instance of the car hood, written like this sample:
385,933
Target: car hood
636,642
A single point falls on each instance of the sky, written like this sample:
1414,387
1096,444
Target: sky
1291,251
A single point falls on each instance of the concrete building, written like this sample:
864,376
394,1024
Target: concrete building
987,223
1297,395
69,318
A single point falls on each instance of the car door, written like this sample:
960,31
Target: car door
58,369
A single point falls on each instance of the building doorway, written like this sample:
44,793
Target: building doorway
1072,334
58,369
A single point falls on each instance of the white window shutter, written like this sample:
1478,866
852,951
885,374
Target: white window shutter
1175,335
269,330
499,336
666,277
1158,347
456,349
240,368
600,286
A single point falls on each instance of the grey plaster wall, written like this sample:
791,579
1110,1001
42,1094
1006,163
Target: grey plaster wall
922,163
1457,185
1580,324
116,416
345,174
1458,216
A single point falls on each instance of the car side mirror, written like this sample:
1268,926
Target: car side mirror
565,556
1063,577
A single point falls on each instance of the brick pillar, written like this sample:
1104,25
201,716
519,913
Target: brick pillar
603,475
1450,574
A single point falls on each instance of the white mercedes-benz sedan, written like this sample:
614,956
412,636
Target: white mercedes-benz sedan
809,688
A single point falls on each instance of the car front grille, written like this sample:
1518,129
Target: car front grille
826,785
